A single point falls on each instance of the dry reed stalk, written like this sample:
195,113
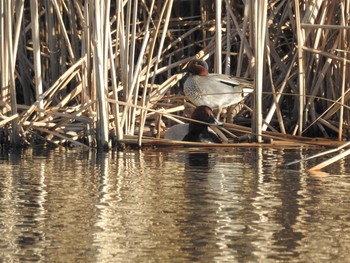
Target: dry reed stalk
132,93
63,30
8,119
275,105
158,94
133,75
19,17
134,79
277,98
99,72
85,50
332,109
327,54
241,31
218,37
228,40
59,84
52,41
167,7
301,75
57,134
115,109
140,47
331,61
168,114
344,45
4,54
339,27
12,89
260,24
36,50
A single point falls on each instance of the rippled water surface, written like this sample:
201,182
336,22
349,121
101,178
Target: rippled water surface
172,205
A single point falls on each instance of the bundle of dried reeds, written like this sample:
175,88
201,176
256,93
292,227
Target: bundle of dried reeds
89,73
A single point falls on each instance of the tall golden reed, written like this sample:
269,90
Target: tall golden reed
92,73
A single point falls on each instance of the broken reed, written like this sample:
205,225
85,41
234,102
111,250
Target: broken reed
89,73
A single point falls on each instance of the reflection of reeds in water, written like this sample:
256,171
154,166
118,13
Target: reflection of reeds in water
94,72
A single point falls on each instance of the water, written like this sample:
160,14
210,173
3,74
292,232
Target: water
172,205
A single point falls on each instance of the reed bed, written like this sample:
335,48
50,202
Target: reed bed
97,73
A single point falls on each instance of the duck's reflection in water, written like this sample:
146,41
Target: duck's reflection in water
216,214
198,160
198,226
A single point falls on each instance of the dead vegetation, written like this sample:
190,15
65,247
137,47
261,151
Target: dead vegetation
100,73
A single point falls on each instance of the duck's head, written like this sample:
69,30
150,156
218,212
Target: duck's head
205,114
198,67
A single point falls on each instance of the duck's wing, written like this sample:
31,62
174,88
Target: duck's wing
232,81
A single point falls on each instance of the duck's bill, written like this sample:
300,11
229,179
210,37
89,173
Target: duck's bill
218,123
215,122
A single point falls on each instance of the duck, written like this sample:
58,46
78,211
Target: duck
216,91
194,131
